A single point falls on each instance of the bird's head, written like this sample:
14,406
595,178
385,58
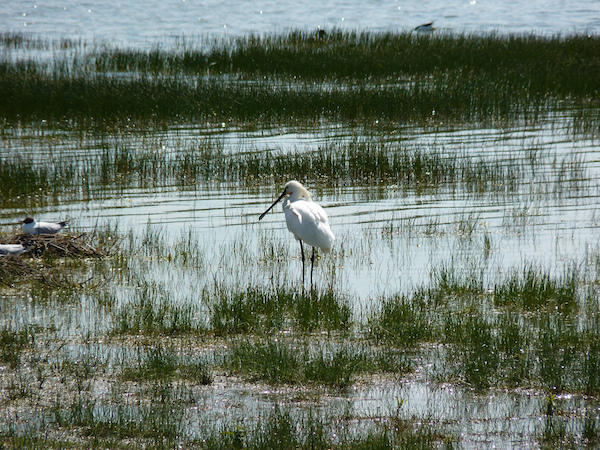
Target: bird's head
296,191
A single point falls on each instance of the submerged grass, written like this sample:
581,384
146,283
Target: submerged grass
359,162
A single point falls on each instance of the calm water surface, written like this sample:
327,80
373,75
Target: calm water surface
147,23
390,239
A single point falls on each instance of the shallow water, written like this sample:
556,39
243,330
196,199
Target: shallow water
390,239
148,23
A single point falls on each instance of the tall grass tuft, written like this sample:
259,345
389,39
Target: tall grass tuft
534,289
160,364
402,322
273,362
263,310
282,362
151,313
475,350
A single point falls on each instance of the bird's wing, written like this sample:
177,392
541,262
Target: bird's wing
309,223
49,227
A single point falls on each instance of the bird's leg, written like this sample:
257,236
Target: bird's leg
312,264
302,252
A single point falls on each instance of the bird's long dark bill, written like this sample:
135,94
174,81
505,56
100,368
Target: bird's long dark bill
271,207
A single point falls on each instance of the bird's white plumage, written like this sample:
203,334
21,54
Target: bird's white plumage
11,249
306,220
309,223
426,27
30,226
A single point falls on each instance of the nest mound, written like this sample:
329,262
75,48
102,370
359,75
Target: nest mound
62,245
21,267
13,266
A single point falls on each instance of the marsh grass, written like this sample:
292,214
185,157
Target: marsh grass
12,343
282,362
164,100
20,178
358,55
402,322
397,76
526,328
329,363
160,364
534,288
260,310
120,424
204,164
531,343
151,312
272,362
281,428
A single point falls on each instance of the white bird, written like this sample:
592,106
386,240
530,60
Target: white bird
30,226
425,27
11,249
306,220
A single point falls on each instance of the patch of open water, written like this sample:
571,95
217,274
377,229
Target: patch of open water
392,239
142,24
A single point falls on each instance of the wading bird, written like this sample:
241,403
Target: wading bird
306,220
11,249
425,27
30,226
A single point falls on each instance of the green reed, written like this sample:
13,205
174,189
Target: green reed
359,55
534,288
362,162
280,362
260,310
294,78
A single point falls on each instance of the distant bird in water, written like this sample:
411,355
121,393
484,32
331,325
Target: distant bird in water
306,220
11,249
426,27
30,226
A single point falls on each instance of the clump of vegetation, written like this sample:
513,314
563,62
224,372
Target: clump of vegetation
533,289
409,78
260,310
281,428
150,312
12,343
402,322
160,364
